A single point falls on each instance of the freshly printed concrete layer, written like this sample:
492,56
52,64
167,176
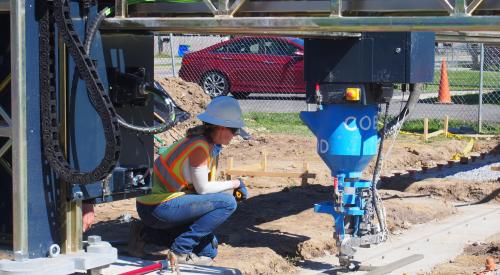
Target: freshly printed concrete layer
437,242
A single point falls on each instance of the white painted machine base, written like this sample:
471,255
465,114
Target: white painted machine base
99,255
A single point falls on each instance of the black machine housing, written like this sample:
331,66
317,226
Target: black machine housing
373,62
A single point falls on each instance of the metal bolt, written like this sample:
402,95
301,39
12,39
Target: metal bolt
78,195
54,250
398,50
94,239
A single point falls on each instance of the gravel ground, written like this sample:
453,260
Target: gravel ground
480,170
483,173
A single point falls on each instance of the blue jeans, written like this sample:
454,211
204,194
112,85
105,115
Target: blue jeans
197,216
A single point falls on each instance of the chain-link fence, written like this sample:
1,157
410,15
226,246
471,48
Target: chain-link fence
266,74
473,101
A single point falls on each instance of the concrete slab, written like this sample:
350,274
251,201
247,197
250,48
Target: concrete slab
438,242
125,264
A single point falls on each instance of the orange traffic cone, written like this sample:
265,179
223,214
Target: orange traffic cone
444,87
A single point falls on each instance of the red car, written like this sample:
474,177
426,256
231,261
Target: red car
245,65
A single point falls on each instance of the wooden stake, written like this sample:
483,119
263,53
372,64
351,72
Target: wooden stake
426,129
263,161
271,174
306,171
435,134
445,129
230,163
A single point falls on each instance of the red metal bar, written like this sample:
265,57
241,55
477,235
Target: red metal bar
146,269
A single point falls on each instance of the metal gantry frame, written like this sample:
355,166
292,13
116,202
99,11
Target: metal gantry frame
301,18
307,18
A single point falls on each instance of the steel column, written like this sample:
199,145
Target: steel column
19,154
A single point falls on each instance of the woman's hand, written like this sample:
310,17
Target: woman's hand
241,193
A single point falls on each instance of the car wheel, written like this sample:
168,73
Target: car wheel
240,95
215,84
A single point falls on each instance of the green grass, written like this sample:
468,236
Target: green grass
290,123
163,55
465,80
280,123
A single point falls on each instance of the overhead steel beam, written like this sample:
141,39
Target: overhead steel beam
473,6
210,6
336,8
446,4
315,7
304,26
235,7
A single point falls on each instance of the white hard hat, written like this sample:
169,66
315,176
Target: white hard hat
223,111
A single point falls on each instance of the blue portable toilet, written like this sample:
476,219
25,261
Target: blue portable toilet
182,50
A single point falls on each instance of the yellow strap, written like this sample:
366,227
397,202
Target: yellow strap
466,151
212,175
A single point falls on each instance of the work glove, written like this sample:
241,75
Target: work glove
241,193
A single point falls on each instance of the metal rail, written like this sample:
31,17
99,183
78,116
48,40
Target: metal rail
333,7
307,18
19,139
304,25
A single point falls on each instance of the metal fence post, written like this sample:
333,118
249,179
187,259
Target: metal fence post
481,80
172,58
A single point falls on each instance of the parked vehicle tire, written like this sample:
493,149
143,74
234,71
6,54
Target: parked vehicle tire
215,84
240,95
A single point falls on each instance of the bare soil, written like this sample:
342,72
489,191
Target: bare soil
473,258
276,226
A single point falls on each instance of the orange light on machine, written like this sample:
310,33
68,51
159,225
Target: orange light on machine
353,94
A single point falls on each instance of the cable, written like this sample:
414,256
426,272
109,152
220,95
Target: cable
376,176
393,125
92,28
154,89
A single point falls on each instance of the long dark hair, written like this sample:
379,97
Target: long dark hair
206,130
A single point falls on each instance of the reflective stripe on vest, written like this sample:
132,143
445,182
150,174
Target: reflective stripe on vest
168,166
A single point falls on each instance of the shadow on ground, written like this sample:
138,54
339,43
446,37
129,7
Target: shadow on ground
242,230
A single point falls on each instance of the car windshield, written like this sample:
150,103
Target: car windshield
298,41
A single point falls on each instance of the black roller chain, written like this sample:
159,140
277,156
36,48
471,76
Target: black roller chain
98,97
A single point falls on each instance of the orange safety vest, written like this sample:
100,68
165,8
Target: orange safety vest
168,179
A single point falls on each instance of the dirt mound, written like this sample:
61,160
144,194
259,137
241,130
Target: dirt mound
491,146
255,260
472,259
458,190
480,249
189,97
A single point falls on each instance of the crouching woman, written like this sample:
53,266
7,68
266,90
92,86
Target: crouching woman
182,195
